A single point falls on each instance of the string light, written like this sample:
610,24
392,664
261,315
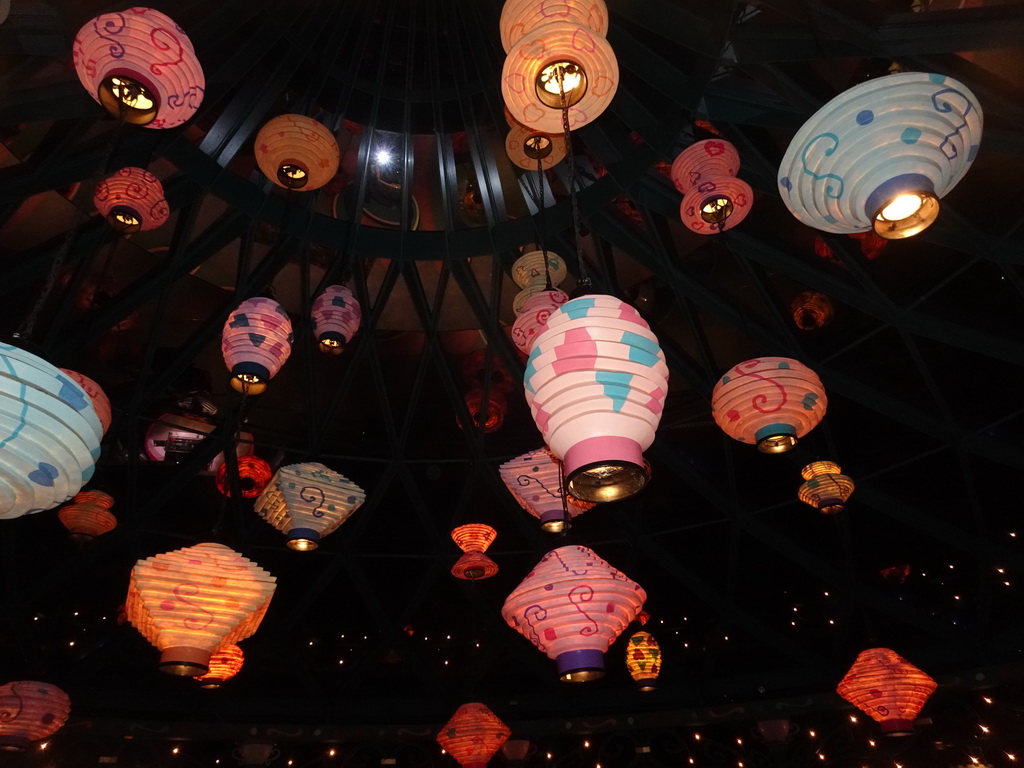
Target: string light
332,752
812,734
176,750
984,728
586,745
45,744
871,743
696,736
986,699
1010,755
853,718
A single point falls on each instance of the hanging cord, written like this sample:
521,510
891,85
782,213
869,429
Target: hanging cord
564,494
540,222
584,279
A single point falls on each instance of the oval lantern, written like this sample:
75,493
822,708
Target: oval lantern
643,660
307,502
132,200
336,318
887,688
713,196
297,152
256,342
30,711
473,735
533,316
572,606
596,383
474,539
140,66
253,475
535,479
769,401
98,398
825,488
191,602
519,17
224,664
88,516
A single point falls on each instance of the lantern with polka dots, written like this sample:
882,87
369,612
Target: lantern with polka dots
535,480
30,711
643,660
98,398
826,488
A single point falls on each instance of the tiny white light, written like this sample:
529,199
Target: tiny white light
383,157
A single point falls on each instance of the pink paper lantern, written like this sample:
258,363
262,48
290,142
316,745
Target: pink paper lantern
769,401
705,173
30,711
572,606
533,316
140,66
132,200
519,17
99,400
256,341
336,318
535,480
596,383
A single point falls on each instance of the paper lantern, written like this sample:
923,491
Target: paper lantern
519,17
596,383
297,152
307,502
535,479
473,735
224,664
881,154
572,606
643,660
140,66
811,310
88,516
336,318
536,272
713,197
533,316
256,342
50,434
516,750
769,401
173,436
191,602
496,407
888,688
826,489
132,200
30,711
98,398
253,475
474,539
528,148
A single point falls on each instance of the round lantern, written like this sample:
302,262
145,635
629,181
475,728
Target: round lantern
888,688
98,398
555,59
140,66
769,401
811,310
826,489
173,436
535,479
224,664
474,539
880,155
336,318
50,433
528,148
253,475
713,197
473,735
132,200
496,406
572,606
297,152
307,502
191,602
539,268
643,660
30,711
596,383
533,316
88,516
519,17
256,342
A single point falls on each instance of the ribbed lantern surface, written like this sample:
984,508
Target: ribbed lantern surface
474,539
256,342
533,316
30,711
643,660
769,401
572,606
116,52
98,398
224,664
888,688
50,433
473,735
527,146
88,515
825,489
308,501
714,199
253,476
336,318
192,601
297,152
518,17
132,200
535,480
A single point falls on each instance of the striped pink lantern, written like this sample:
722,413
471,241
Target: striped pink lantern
518,17
705,173
596,383
30,711
256,341
533,316
535,480
769,401
572,606
98,398
336,318
140,66
132,200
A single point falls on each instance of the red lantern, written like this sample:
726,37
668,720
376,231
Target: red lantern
496,405
256,342
253,475
535,479
811,310
88,515
473,735
643,660
888,688
705,173
224,664
30,711
132,200
336,318
474,539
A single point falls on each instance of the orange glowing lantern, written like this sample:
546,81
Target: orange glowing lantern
888,688
535,479
297,152
193,601
224,664
811,310
474,539
826,489
30,711
253,475
132,200
88,516
473,735
643,660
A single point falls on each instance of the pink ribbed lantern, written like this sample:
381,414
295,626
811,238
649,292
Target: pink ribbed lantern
30,711
256,341
572,606
140,66
533,316
596,383
132,200
336,318
98,398
770,401
705,173
473,735
518,17
536,482
297,152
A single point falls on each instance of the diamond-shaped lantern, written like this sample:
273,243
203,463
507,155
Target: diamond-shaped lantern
535,479
256,342
473,735
336,318
224,664
825,488
888,688
643,660
474,539
30,711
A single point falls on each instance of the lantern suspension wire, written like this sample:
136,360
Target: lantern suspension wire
584,277
563,494
540,222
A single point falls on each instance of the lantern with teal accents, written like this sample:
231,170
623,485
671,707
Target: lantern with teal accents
256,342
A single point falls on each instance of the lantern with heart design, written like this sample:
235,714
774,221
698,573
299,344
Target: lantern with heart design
713,196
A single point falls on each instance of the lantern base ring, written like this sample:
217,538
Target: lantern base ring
332,342
580,666
910,222
555,521
303,539
897,727
605,469
185,661
775,438
249,378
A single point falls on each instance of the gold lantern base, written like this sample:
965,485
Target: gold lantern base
185,661
905,215
607,481
561,80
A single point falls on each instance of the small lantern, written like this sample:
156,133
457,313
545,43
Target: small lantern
336,318
30,711
253,475
98,398
519,17
140,66
535,479
474,539
88,516
256,342
224,664
769,401
811,310
297,152
191,602
705,173
307,502
538,272
643,660
132,200
496,406
473,735
826,489
528,148
888,688
533,316
572,606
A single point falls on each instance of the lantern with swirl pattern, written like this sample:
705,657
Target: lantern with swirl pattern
473,735
887,688
474,539
132,200
30,711
336,318
705,173
88,516
224,664
297,152
256,342
535,479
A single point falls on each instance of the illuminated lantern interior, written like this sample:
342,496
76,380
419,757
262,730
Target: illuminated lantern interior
132,200
297,152
256,342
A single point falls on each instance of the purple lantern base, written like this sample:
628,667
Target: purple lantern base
579,666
